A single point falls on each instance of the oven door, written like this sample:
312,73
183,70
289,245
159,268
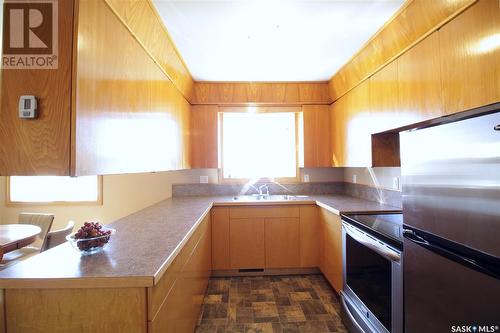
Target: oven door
372,293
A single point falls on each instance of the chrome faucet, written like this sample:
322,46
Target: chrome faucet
260,191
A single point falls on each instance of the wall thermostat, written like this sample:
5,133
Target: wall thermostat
27,107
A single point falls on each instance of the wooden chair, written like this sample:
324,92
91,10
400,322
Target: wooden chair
58,237
44,221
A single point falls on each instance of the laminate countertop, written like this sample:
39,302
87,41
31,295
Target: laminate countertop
146,242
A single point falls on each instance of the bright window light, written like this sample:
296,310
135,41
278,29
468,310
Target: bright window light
54,189
259,145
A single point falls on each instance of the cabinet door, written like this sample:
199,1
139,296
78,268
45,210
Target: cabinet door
220,238
352,127
359,127
332,249
203,127
470,58
309,234
338,112
384,99
419,82
246,239
282,242
316,135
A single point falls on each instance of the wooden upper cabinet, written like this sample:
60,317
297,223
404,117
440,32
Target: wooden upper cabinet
358,125
129,117
203,133
105,110
338,118
41,146
470,58
317,152
419,82
385,113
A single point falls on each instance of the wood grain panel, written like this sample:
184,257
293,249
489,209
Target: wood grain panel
241,93
161,290
309,233
384,99
281,242
419,82
413,22
470,58
75,310
158,293
203,132
2,311
180,310
385,149
332,251
255,211
142,19
220,238
338,121
358,127
126,121
317,149
40,146
247,243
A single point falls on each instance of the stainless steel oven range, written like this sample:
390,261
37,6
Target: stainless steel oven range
372,296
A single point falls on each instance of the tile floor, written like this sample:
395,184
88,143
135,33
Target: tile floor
270,304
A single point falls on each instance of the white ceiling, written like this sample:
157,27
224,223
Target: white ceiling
271,40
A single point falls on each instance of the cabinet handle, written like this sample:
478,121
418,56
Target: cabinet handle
497,127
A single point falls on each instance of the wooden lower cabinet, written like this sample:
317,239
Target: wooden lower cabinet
309,234
220,238
180,308
246,241
282,242
270,237
331,253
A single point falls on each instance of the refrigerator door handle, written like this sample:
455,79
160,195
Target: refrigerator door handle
466,261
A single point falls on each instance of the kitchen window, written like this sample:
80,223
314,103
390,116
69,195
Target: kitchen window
54,190
261,145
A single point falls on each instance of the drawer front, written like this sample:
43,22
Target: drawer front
262,212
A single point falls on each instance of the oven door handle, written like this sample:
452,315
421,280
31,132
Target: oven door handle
372,244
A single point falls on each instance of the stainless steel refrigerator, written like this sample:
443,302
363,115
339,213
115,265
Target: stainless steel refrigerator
451,210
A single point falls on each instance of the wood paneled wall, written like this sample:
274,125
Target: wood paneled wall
141,18
266,93
40,146
126,121
413,22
